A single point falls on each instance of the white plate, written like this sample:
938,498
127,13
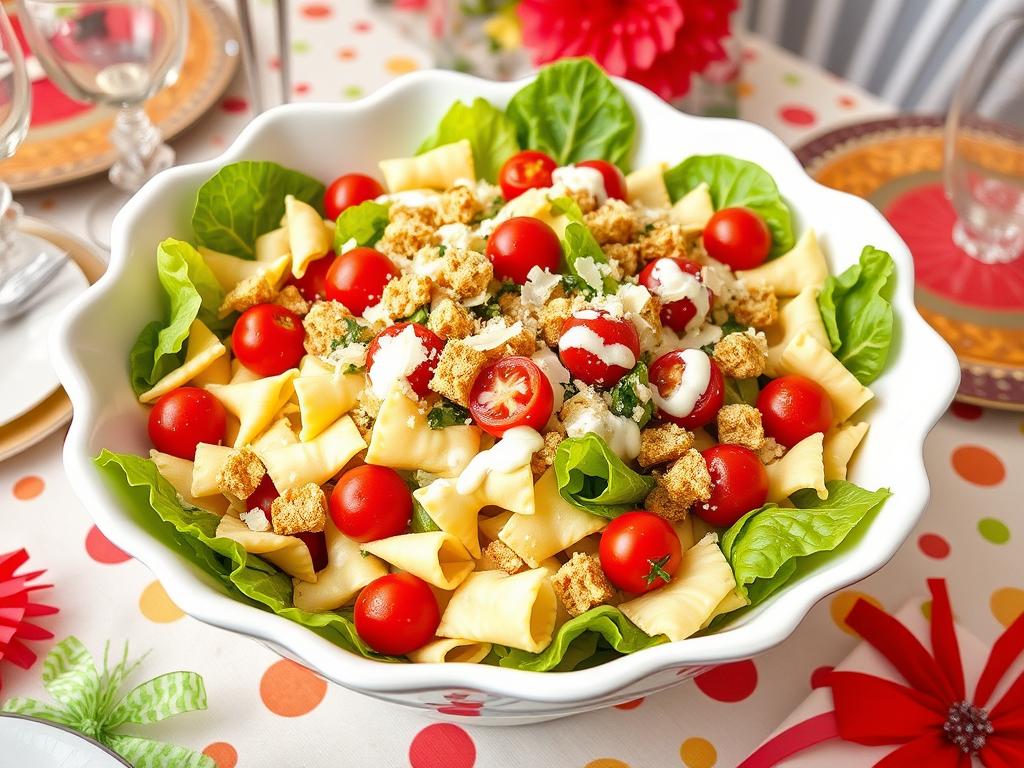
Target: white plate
29,743
24,339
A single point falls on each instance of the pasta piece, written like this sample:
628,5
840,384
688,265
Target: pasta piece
684,530
839,446
278,435
457,513
436,557
807,357
535,203
555,525
203,348
254,403
240,374
346,573
231,270
802,467
647,186
437,169
402,439
288,553
207,465
179,473
693,210
492,607
731,602
308,239
489,526
323,397
681,607
217,372
272,245
450,651
316,461
798,314
793,271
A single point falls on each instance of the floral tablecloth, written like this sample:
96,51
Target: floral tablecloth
265,712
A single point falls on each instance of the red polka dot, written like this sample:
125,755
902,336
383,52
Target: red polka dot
316,11
749,54
729,682
362,26
274,62
797,115
933,545
234,104
289,689
101,550
28,487
847,102
301,88
819,675
442,745
966,411
223,754
630,704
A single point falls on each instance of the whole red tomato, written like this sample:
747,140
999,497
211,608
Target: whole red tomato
185,417
597,347
676,313
268,339
420,377
370,503
525,170
521,243
794,407
668,373
614,181
639,551
737,237
313,284
357,278
739,484
396,614
348,190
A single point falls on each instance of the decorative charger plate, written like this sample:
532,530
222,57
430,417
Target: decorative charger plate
68,140
896,164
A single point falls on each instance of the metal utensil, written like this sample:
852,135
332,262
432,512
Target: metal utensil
21,285
250,58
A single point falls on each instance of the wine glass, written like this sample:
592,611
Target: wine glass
15,108
984,147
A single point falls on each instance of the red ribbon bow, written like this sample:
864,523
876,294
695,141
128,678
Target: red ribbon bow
931,718
15,607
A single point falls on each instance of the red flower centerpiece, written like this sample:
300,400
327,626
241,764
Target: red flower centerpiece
16,607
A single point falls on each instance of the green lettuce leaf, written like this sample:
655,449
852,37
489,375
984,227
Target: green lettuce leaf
578,242
447,414
740,391
492,134
857,314
625,399
734,182
764,545
594,479
364,223
421,522
574,112
245,200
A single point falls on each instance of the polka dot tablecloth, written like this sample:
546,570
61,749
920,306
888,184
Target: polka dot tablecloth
267,713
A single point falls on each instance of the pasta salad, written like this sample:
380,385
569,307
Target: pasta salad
506,403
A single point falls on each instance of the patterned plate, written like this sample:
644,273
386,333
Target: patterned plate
68,140
978,308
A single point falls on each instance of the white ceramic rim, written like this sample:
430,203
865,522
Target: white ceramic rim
763,631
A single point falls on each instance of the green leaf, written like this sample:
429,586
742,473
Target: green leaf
765,544
492,307
590,476
365,223
625,399
734,182
421,521
857,315
446,414
165,696
574,112
245,200
578,243
741,391
420,316
490,132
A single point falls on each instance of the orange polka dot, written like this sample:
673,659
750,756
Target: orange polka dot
223,754
1007,604
399,65
696,752
347,54
157,606
606,762
630,704
978,465
28,487
744,90
289,689
841,605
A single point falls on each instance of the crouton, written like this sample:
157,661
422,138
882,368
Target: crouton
404,295
625,257
406,234
740,424
552,316
502,557
451,320
660,503
467,273
458,205
324,324
586,201
251,291
515,311
581,584
663,240
586,407
456,370
545,457
241,474
363,421
290,298
613,222
756,306
740,356
523,344
663,443
299,510
687,479
770,451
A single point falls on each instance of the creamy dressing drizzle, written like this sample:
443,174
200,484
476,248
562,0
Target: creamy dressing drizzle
581,179
582,337
514,450
555,372
676,284
694,382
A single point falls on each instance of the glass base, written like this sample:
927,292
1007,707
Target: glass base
1003,250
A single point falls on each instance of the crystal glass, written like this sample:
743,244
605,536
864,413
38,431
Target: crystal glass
984,147
15,109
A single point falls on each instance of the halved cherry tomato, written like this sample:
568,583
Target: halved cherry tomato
666,374
348,190
185,417
511,392
521,243
639,551
614,181
313,284
737,237
357,278
264,495
267,339
794,407
525,170
675,314
370,503
597,347
396,614
419,378
739,484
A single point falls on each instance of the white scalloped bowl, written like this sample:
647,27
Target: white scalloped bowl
92,338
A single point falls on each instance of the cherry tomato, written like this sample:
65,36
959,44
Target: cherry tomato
794,407
185,417
511,392
420,377
396,614
675,314
263,498
737,237
521,243
267,339
370,503
316,543
264,495
313,284
639,551
525,170
739,484
667,372
598,348
348,190
357,278
614,181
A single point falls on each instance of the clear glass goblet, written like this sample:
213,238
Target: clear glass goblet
15,109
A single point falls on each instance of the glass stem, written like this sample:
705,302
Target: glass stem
141,151
10,213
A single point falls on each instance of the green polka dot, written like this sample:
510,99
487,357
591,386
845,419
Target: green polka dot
301,46
994,531
791,78
351,91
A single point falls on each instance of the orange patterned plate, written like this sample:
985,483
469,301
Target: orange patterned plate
67,140
978,308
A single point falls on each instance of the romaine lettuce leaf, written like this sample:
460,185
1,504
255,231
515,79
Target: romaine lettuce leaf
492,134
578,242
365,223
590,476
625,399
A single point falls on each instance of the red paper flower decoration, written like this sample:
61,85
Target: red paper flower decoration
16,607
657,43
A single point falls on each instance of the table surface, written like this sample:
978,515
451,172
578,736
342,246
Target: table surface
268,712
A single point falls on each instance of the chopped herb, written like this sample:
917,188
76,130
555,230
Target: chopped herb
421,522
731,326
569,390
625,399
363,553
648,228
492,307
446,414
442,249
419,316
354,334
353,368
